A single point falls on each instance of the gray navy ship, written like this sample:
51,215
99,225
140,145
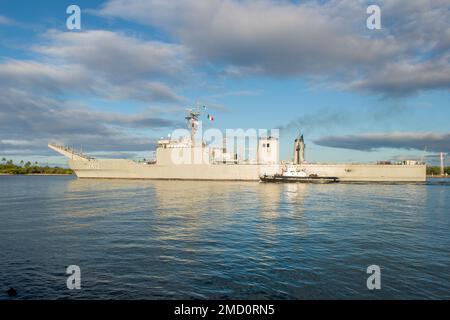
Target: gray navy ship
174,161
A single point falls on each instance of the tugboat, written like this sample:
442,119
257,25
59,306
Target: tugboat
292,175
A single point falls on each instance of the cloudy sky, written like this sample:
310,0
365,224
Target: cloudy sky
122,81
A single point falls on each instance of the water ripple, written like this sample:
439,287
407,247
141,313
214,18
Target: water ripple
203,240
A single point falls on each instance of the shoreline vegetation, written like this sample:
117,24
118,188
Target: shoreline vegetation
435,172
8,167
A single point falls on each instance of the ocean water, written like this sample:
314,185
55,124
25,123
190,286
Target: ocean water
222,240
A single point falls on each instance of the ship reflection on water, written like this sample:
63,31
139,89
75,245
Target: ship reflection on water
211,202
200,239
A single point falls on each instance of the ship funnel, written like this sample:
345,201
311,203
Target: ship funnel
299,150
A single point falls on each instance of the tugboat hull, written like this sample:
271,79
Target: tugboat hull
317,180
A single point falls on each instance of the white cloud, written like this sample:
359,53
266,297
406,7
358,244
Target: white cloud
435,142
18,143
94,64
102,64
280,38
42,76
407,77
312,39
6,21
28,121
121,57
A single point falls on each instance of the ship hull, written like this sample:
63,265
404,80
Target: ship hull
127,169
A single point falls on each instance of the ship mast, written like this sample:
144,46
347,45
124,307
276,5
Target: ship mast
192,123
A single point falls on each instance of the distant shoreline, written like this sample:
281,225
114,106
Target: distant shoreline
7,167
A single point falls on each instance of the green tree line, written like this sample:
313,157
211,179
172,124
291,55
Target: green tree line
9,167
436,170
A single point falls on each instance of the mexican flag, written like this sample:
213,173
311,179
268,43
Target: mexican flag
210,117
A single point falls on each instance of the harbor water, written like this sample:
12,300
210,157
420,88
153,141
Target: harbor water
222,240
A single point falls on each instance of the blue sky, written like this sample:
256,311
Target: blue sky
125,78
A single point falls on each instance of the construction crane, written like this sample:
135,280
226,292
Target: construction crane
442,156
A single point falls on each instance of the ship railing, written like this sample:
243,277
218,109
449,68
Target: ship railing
71,151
